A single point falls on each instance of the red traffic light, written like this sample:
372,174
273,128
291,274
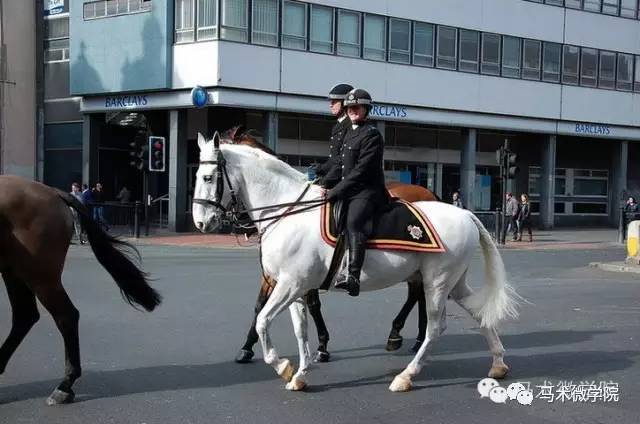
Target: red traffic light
158,145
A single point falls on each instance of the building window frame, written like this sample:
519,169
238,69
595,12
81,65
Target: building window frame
446,62
397,55
258,35
426,56
531,73
342,46
516,71
377,53
466,64
331,42
287,40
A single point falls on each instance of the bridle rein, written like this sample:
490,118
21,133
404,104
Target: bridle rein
233,210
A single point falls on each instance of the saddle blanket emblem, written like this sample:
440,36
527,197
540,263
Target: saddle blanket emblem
401,227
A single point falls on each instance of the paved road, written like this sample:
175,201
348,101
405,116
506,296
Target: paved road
176,365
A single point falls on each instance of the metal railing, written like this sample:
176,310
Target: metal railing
118,214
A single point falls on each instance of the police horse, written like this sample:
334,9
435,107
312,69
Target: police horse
415,292
295,255
35,232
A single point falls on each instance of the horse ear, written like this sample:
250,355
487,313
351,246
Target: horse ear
201,141
216,140
236,132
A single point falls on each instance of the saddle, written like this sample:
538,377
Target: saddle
401,226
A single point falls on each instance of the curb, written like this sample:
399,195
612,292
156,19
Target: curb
616,267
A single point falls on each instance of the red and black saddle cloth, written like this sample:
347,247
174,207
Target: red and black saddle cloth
401,226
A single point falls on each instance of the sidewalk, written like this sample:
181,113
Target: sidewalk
561,239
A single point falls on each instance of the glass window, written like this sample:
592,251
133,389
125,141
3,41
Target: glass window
294,25
531,60
423,44
447,51
56,50
399,40
589,187
56,28
89,10
101,9
469,50
560,186
551,62
628,8
490,54
123,6
559,207
589,67
610,7
375,37
607,69
184,20
574,4
112,7
636,78
207,11
554,2
233,25
348,33
599,208
570,59
264,22
625,72
510,56
321,29
592,5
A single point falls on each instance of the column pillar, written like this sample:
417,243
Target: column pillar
271,130
178,170
618,189
468,167
90,143
548,183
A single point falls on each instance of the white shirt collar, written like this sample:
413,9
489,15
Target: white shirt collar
342,118
354,126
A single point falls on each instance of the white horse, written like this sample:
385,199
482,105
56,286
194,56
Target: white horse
295,255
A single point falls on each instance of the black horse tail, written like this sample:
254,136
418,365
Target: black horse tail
117,257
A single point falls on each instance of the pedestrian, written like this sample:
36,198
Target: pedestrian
79,231
511,211
456,200
361,187
124,196
631,205
524,216
98,209
87,196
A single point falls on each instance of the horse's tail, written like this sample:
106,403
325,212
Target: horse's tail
116,256
496,300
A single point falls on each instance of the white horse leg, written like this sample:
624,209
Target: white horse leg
498,368
281,298
436,303
299,319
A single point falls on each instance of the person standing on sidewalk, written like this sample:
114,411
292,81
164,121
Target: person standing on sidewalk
511,212
98,210
75,192
524,216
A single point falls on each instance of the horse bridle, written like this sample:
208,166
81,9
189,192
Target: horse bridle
233,210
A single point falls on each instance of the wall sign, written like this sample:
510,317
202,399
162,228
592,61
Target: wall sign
388,111
125,102
53,7
592,129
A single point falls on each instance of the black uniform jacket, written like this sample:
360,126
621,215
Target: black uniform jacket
331,169
362,161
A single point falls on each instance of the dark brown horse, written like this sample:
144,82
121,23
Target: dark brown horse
408,192
35,232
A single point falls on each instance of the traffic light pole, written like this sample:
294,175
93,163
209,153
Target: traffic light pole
145,199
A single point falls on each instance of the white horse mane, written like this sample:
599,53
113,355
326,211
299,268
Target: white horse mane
268,161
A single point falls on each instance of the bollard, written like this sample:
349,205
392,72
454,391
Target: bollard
633,243
136,219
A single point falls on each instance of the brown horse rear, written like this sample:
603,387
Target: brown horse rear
35,232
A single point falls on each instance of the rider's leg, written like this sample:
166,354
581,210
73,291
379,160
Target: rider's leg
358,213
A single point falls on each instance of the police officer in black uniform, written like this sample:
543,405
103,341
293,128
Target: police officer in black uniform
362,186
330,172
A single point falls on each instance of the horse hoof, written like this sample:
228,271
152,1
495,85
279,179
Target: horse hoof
498,372
287,371
416,347
58,397
394,344
296,385
244,356
321,356
400,384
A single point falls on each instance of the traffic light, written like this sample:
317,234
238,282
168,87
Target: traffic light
138,151
156,154
510,165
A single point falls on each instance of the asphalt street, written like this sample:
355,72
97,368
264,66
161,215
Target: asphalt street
176,365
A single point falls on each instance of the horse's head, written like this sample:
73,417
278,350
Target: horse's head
210,200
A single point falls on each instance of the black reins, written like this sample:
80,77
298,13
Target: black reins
233,211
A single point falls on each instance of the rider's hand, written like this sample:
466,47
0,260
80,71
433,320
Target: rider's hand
332,196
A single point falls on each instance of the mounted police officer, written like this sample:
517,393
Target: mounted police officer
330,172
361,185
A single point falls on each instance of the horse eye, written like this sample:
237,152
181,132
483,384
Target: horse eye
208,178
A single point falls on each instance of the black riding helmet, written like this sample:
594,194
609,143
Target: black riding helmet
358,96
339,92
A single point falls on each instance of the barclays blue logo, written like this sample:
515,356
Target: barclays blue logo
199,96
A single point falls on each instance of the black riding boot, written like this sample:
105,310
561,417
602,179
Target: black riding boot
357,250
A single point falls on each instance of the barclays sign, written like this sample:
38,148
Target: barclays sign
592,129
125,102
388,111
